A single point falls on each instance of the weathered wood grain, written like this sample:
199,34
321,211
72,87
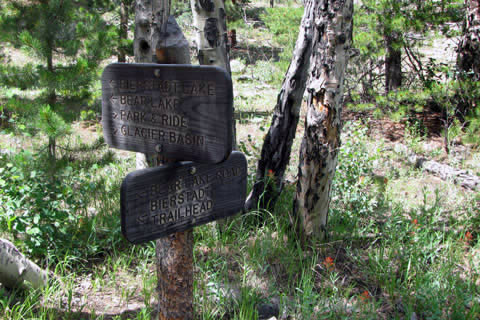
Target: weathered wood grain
443,171
332,38
165,43
180,111
159,201
15,268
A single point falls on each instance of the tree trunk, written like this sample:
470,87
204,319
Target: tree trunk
52,101
210,21
393,63
272,3
15,268
52,148
468,58
321,141
52,96
159,42
123,31
277,145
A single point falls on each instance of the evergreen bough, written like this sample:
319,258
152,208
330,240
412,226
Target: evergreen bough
67,39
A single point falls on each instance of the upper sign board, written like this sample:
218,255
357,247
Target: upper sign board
159,201
183,112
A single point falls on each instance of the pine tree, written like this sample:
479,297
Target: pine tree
385,28
120,14
67,40
124,43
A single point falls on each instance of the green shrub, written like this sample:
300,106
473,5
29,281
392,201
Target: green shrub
472,130
179,7
354,169
86,115
44,212
235,10
18,115
403,101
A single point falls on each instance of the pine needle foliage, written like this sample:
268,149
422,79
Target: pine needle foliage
381,26
66,39
51,123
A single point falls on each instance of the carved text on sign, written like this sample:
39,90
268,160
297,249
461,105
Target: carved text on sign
184,111
173,87
159,201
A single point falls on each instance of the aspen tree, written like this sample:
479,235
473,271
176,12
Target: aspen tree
321,141
277,145
210,21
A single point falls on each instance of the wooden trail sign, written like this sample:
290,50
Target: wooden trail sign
180,111
159,201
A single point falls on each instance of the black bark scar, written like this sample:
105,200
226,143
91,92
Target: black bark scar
223,18
207,5
211,32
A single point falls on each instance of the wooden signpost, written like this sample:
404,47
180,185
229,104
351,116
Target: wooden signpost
159,201
181,111
171,113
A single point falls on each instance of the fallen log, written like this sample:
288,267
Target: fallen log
15,268
446,172
443,171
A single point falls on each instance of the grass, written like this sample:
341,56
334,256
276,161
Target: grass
388,255
402,243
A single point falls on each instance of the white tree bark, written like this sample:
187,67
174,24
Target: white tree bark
210,21
319,150
211,38
15,268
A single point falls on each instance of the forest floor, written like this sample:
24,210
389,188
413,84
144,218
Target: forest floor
402,244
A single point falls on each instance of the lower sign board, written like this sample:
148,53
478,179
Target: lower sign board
159,201
183,112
